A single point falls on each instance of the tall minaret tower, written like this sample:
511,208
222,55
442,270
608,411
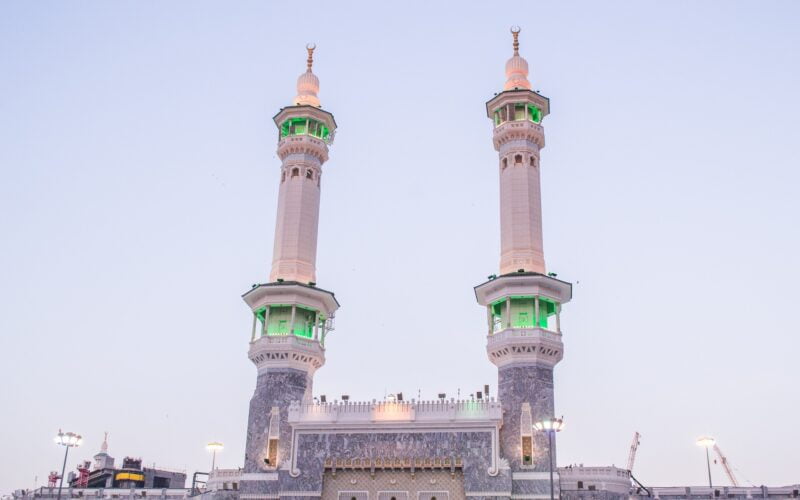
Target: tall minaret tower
523,303
291,316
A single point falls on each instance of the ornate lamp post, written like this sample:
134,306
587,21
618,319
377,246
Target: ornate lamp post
67,440
707,442
550,426
213,447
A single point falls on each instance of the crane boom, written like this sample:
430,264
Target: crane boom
632,453
725,465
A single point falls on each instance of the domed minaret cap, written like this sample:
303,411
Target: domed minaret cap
103,447
308,83
516,67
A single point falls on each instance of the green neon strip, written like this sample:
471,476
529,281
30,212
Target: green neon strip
260,313
534,114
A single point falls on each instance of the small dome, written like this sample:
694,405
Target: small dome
308,83
307,89
517,74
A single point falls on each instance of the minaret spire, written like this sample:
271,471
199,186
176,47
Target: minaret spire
308,83
517,66
515,33
310,61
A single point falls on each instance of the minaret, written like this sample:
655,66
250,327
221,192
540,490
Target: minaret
291,316
523,303
102,460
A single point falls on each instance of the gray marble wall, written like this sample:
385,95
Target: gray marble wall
279,388
518,384
474,448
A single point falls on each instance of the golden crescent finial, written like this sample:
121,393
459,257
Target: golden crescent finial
515,32
310,48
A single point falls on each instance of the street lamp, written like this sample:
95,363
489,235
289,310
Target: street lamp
550,426
707,442
67,440
213,447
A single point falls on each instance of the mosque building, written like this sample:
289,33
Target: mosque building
482,448
499,446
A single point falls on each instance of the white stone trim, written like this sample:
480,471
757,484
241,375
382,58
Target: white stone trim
259,476
525,345
286,351
318,415
533,475
300,493
523,284
489,494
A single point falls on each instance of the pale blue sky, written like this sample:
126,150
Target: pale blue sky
138,203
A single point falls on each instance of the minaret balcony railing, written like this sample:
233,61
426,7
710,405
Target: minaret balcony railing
536,346
286,351
287,339
526,333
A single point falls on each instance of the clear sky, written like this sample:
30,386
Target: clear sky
138,197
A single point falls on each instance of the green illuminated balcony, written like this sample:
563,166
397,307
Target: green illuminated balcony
305,126
276,320
517,112
524,312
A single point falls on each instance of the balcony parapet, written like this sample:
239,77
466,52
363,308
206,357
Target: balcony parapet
286,351
411,413
525,345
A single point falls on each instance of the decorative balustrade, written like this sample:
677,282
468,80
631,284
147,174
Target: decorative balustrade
286,339
512,333
411,411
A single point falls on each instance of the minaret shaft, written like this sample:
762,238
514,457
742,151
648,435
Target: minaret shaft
520,208
295,249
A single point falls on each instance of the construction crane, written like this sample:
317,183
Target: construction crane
632,453
631,459
723,460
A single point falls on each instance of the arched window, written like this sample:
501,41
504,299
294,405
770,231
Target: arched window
517,159
505,162
309,174
533,161
295,172
283,176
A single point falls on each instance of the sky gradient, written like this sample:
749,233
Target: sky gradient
139,194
